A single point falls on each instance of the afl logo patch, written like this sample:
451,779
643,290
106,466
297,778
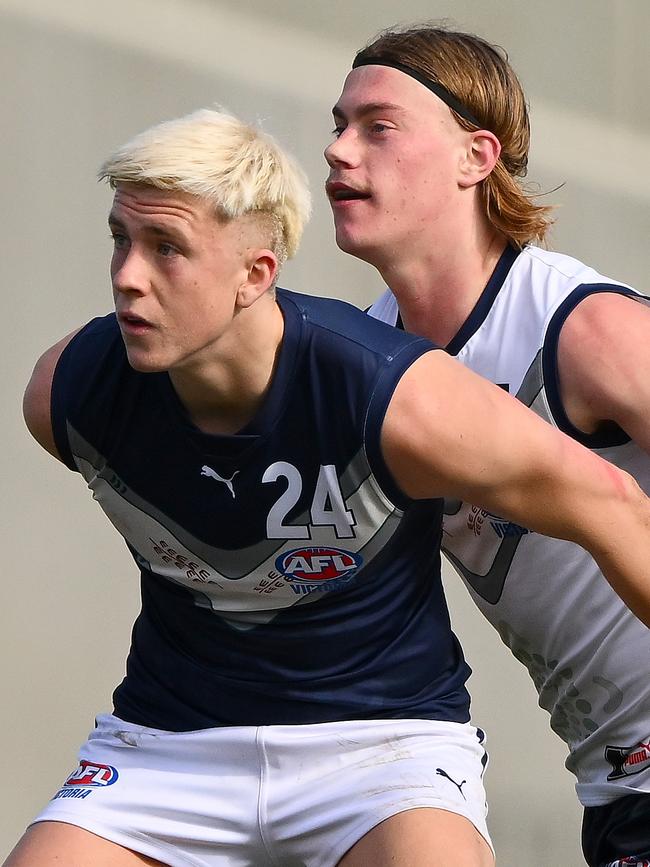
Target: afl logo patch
91,774
313,565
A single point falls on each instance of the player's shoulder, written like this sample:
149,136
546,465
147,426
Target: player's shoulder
54,366
99,330
91,365
91,343
551,266
344,323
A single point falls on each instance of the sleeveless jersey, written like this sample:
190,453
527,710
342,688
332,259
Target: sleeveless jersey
586,652
285,578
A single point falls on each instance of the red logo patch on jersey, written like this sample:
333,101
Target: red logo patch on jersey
626,761
312,565
91,774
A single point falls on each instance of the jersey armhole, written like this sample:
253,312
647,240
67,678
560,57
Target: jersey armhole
59,399
382,393
609,435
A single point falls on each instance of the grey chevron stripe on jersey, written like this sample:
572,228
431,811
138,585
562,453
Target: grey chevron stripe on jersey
207,571
489,586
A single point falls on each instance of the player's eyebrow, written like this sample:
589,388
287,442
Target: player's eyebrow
367,108
163,231
115,221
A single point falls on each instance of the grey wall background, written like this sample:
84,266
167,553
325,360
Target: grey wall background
79,77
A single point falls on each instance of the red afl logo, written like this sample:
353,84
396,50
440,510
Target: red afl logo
311,565
91,774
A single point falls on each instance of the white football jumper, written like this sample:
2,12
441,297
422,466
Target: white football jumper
587,654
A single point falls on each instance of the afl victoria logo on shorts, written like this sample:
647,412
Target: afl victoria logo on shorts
319,568
93,775
89,777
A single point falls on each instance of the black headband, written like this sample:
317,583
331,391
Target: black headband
434,86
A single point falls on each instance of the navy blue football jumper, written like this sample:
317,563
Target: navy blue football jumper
285,577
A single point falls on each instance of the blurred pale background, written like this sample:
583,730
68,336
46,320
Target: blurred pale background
78,78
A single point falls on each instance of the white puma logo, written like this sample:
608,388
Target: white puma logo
208,471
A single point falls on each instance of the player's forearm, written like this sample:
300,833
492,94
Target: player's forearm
619,541
585,499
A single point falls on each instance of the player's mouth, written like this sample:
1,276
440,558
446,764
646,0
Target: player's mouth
133,324
338,192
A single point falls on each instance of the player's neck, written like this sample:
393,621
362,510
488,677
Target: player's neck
224,392
437,291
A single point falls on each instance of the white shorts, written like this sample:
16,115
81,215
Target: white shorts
276,795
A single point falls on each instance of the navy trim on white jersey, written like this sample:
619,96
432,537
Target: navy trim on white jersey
484,304
608,435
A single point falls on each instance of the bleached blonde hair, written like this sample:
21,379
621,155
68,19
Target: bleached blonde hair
237,168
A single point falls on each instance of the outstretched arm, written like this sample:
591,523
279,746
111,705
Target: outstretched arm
448,432
36,402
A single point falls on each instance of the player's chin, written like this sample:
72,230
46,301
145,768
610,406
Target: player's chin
146,362
348,240
357,245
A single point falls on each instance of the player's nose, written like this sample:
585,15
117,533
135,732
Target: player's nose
130,273
343,150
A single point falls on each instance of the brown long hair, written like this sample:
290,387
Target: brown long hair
479,75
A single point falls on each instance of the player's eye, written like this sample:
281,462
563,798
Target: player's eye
120,241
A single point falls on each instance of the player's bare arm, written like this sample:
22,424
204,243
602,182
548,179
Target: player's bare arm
436,442
603,363
36,402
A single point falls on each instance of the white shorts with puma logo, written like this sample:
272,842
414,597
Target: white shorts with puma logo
276,795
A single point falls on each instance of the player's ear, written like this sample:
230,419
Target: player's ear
262,271
480,156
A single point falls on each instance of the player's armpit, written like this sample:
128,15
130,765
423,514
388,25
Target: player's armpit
603,362
36,400
448,432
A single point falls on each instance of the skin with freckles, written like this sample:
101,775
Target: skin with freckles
386,150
